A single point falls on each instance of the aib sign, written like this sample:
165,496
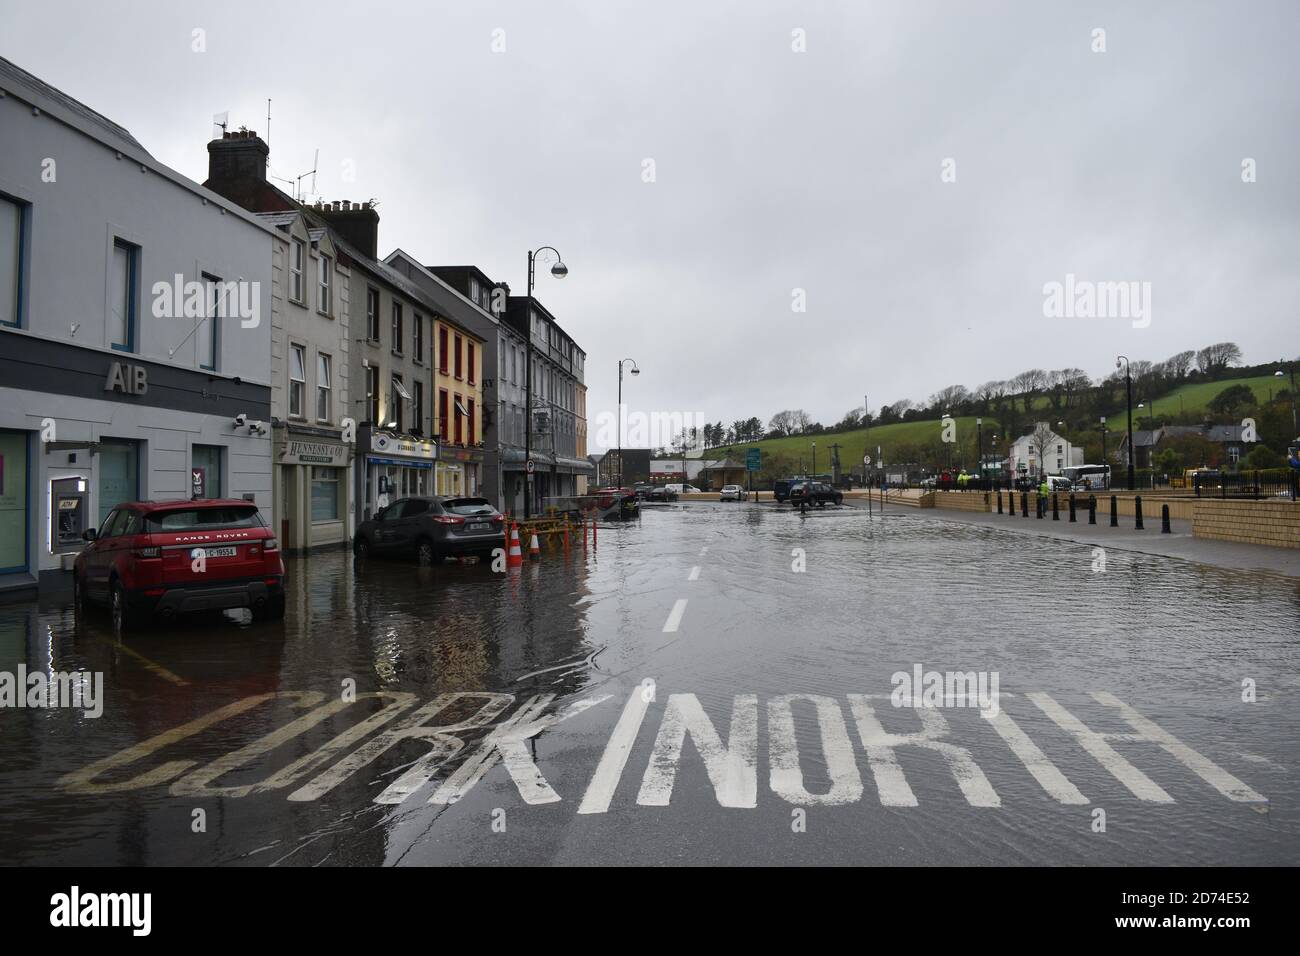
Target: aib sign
198,482
127,378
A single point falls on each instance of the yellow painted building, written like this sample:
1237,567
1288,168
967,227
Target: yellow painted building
580,432
457,408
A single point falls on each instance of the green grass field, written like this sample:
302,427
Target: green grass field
1195,398
853,444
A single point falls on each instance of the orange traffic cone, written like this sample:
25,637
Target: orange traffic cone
534,549
514,557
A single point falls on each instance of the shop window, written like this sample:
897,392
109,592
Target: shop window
119,475
325,494
15,480
205,472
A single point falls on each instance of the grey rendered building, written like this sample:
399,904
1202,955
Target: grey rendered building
135,332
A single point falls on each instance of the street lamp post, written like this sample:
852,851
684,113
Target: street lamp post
559,270
979,448
1128,387
635,371
814,460
1106,473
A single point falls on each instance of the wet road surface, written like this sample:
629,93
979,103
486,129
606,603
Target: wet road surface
711,684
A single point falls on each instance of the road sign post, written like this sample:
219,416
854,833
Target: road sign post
753,463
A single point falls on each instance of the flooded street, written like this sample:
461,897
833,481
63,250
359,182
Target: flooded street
710,684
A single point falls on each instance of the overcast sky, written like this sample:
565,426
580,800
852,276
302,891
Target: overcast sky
774,170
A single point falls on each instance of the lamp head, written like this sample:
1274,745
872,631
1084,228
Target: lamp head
635,370
559,270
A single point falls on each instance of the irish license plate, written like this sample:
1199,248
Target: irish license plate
478,526
220,552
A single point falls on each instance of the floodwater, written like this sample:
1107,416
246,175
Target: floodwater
709,684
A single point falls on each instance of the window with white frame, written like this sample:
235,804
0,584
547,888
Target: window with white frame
397,327
323,387
324,283
297,379
297,253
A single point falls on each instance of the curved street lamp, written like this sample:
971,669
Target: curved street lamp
559,270
635,371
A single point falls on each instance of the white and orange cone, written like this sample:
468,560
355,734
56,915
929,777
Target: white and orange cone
534,549
514,557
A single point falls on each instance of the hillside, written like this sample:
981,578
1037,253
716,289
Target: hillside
853,444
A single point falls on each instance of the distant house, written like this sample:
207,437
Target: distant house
728,471
1146,443
1027,458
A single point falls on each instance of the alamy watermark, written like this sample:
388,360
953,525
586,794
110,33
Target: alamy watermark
1085,299
647,429
77,690
922,688
211,298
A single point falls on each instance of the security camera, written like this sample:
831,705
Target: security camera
240,420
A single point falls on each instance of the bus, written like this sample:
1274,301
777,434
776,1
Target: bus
1088,477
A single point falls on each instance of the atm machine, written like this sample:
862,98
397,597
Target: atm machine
68,510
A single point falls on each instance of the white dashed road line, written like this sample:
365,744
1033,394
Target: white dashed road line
675,616
695,573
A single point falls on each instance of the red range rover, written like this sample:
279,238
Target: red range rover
168,557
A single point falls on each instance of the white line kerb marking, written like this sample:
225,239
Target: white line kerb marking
675,616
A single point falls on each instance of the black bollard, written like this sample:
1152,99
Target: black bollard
1164,519
1114,512
1056,508
1137,513
1092,509
1073,519
1039,510
1024,504
999,502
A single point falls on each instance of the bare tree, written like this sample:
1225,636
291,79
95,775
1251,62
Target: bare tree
947,399
1213,359
1028,385
1177,366
1044,437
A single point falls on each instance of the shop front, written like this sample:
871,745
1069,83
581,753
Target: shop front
312,491
459,472
116,430
394,466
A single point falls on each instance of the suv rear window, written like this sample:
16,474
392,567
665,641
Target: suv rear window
468,506
187,519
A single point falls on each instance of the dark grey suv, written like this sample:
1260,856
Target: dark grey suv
429,528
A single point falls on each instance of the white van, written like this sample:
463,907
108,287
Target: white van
680,489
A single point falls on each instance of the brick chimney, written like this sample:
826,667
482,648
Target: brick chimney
357,223
239,155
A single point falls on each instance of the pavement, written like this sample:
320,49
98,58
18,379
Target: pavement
713,683
1179,543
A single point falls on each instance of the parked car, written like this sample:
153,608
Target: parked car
733,493
660,493
428,528
643,489
172,557
815,493
781,487
680,489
